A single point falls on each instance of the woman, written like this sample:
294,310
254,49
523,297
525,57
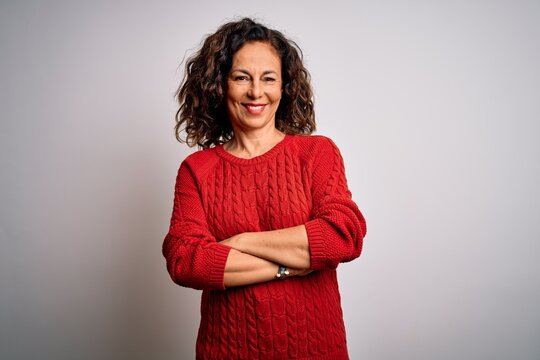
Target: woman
262,214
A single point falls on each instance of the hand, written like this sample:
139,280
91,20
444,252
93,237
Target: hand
299,272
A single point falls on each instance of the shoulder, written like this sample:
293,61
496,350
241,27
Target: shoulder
313,146
200,162
313,141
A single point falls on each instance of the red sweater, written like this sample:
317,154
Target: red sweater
301,180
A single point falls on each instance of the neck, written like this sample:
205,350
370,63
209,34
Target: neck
251,144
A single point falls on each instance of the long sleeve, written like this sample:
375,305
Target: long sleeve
336,227
218,195
194,257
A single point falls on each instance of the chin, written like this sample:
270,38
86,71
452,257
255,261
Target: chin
253,124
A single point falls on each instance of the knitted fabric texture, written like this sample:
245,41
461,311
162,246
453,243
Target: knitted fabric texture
301,180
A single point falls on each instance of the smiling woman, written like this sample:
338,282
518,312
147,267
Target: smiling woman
262,214
203,112
253,91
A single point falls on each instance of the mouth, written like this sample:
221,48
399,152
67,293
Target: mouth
254,108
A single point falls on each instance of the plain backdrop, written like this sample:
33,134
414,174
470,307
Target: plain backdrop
435,106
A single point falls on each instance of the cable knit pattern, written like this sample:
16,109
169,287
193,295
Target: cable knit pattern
301,180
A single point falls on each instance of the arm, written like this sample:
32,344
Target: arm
288,247
194,257
337,227
334,233
244,269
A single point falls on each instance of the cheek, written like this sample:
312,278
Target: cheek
275,96
230,102
233,93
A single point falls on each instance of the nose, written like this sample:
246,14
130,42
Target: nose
255,89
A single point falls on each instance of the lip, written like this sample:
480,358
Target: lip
253,108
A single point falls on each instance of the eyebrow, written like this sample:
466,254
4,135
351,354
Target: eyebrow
266,72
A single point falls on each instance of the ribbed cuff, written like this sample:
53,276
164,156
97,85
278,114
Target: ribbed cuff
316,237
221,253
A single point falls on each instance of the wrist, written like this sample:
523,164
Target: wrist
282,272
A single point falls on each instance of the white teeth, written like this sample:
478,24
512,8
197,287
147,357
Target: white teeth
250,107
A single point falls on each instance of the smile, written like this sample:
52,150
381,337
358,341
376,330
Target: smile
254,108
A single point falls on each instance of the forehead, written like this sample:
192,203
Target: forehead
257,55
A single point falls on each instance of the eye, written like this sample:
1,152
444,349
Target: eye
269,79
240,78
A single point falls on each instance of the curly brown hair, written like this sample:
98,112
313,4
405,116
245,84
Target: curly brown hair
201,95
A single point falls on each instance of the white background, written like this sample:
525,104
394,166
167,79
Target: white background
434,104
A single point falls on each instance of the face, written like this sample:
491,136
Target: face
254,87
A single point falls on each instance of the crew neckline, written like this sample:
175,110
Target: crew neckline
254,160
